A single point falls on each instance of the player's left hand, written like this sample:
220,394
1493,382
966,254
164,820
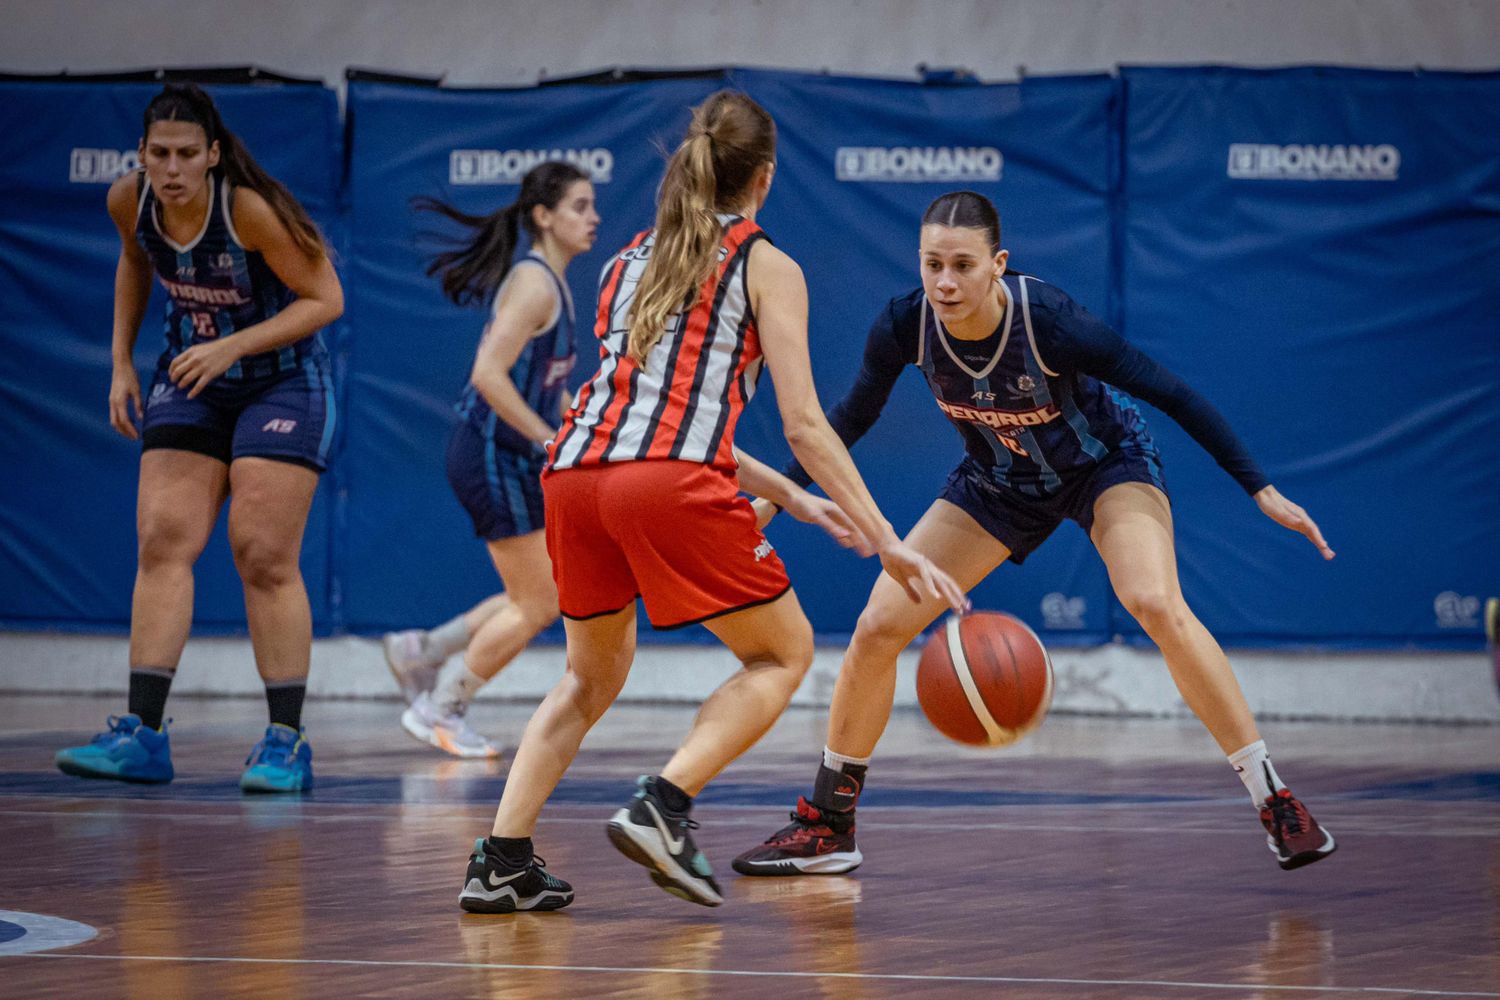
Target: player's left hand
829,516
1287,514
200,364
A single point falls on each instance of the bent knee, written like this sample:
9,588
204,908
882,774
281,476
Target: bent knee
264,567
1155,608
593,693
791,650
879,633
538,612
164,540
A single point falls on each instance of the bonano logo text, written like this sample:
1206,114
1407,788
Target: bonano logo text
1308,162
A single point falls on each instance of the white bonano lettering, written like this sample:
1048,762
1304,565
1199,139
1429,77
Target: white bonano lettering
1313,162
100,166
508,166
918,163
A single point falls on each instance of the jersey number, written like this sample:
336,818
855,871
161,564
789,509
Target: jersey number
204,327
1013,445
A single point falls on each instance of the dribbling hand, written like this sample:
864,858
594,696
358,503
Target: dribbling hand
1287,514
125,392
920,578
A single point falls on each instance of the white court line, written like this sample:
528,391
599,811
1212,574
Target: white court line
754,973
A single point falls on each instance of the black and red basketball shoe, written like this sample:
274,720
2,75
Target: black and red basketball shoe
816,842
1291,833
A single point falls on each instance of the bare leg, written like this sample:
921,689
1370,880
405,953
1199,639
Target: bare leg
774,642
486,609
866,685
179,500
528,605
267,515
600,651
1133,533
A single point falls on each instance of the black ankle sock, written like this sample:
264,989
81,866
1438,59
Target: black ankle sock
285,703
671,796
515,852
148,694
838,791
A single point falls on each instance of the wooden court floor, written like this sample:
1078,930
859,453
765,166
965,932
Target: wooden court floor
1101,858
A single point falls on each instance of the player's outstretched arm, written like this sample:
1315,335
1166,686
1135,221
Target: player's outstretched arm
1287,514
772,490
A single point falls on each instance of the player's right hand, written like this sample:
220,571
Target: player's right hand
921,578
124,392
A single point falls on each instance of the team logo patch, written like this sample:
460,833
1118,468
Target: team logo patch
762,550
1022,387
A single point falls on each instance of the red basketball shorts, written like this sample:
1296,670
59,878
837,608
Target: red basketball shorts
676,534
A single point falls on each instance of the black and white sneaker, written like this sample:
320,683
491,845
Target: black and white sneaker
493,886
651,835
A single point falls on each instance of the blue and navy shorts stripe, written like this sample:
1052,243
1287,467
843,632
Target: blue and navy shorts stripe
499,488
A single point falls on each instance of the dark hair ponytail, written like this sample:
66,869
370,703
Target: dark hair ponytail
188,102
475,267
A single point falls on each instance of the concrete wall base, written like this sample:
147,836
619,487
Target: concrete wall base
1109,680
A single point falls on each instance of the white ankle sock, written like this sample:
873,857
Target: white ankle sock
1254,766
456,687
834,761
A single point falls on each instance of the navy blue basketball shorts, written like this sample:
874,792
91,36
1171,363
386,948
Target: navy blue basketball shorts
288,418
500,489
1022,522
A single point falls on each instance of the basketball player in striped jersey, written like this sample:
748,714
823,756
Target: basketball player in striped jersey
1033,384
517,389
241,406
641,494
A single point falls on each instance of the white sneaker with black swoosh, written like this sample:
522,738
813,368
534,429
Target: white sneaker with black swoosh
492,886
655,837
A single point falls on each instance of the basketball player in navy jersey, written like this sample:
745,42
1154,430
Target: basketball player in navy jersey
1037,390
516,393
240,406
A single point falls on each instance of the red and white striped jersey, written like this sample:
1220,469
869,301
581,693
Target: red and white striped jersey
685,401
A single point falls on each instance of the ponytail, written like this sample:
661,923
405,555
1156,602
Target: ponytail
729,139
687,240
190,103
474,268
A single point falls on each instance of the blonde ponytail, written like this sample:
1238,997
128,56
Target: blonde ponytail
730,138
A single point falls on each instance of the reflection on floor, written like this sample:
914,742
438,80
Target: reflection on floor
1098,858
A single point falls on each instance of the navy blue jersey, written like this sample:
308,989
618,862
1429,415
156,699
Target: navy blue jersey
540,373
215,286
1043,398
